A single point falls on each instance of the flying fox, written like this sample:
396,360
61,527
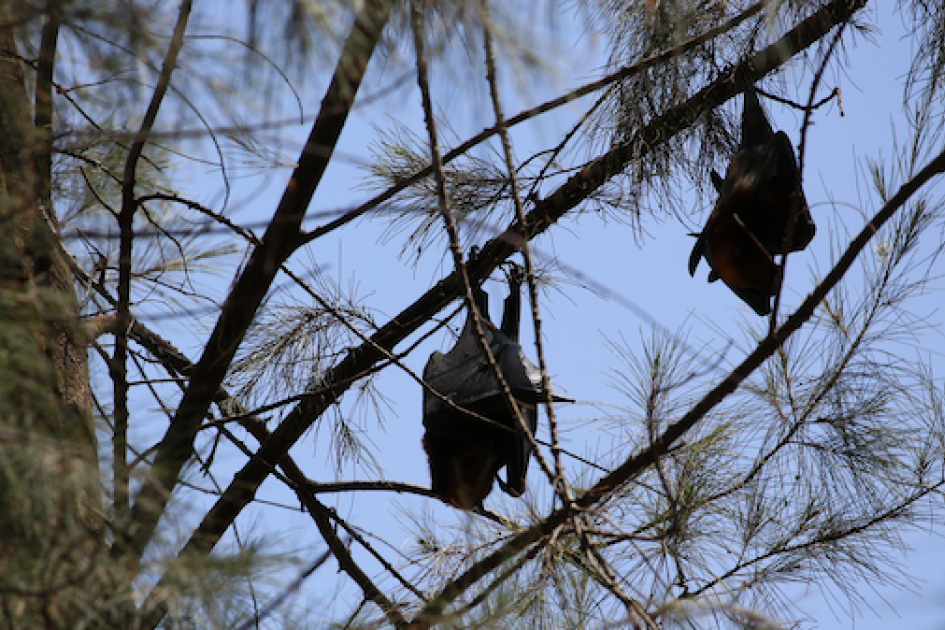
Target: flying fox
759,198
469,442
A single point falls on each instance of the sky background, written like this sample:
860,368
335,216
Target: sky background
582,324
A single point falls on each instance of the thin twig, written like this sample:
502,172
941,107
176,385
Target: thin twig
118,364
296,584
880,519
297,482
607,577
321,515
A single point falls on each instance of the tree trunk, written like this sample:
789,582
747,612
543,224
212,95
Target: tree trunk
52,569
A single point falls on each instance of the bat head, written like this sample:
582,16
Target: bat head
741,262
461,469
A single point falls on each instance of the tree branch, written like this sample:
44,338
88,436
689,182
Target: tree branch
615,77
118,367
279,242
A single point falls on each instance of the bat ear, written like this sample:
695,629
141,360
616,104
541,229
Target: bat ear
759,301
756,130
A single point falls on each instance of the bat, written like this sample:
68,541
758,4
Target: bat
759,198
465,452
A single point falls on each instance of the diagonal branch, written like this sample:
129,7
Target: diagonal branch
545,213
615,77
279,242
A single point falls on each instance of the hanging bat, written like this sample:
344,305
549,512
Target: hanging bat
759,198
466,452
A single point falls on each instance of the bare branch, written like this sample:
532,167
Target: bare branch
118,363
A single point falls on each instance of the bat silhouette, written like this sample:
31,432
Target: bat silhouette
466,452
758,199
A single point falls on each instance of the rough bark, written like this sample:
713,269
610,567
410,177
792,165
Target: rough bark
51,574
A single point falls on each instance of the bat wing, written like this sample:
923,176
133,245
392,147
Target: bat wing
524,379
509,445
462,451
766,180
759,301
698,251
517,450
462,375
782,177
